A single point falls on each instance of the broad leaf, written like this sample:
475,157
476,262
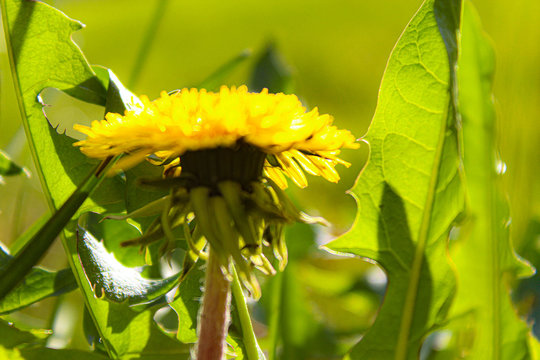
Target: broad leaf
113,233
484,256
8,167
124,332
43,55
37,285
410,191
113,281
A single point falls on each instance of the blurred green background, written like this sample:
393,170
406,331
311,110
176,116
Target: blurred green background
336,52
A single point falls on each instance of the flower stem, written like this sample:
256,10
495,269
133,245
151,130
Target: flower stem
275,314
248,336
214,318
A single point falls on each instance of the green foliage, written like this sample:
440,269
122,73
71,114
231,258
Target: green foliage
410,192
431,175
186,305
17,267
113,281
34,29
8,167
16,344
61,167
483,247
37,285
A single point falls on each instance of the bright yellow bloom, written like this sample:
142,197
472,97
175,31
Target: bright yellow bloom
214,148
191,120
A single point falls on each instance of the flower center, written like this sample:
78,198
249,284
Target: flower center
243,164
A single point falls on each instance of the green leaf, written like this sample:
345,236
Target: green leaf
113,233
119,98
43,55
8,167
124,332
37,285
483,255
28,234
410,192
113,281
271,72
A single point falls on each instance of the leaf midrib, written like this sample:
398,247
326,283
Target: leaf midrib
414,278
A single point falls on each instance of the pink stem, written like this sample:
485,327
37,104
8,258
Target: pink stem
214,318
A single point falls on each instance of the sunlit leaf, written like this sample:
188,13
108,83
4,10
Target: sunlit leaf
43,55
410,192
483,256
113,281
126,333
113,233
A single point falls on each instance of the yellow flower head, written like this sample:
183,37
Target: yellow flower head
193,120
215,148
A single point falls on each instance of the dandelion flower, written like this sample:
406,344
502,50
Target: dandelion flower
225,158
